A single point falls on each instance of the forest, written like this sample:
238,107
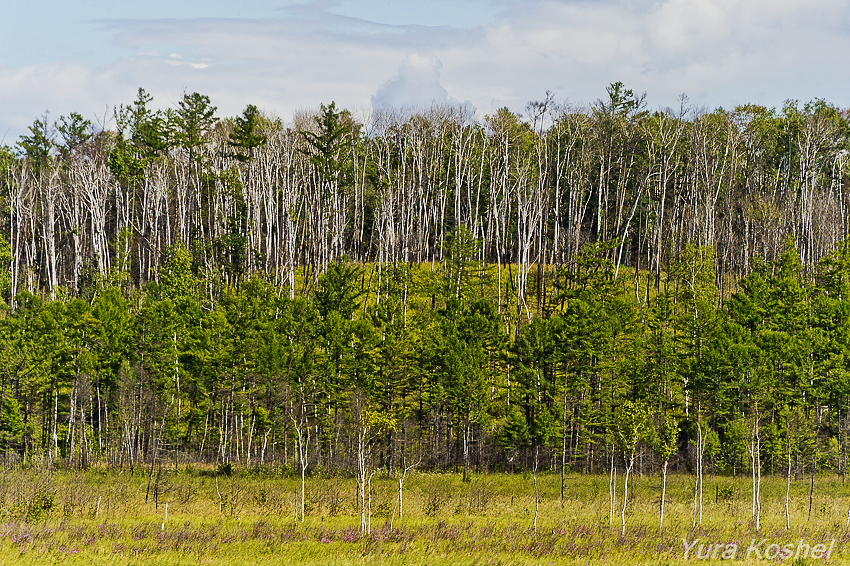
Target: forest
565,289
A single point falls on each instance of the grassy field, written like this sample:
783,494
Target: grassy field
102,517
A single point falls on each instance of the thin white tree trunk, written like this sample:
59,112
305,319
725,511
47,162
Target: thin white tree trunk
788,489
663,493
626,492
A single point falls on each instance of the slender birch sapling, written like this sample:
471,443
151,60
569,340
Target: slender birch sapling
664,445
632,428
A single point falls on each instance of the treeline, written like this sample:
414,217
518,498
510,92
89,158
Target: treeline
427,289
251,195
418,366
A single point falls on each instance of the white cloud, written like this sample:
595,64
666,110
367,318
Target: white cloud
719,52
417,84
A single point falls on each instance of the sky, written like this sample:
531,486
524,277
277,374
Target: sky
285,56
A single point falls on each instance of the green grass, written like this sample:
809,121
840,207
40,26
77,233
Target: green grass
101,517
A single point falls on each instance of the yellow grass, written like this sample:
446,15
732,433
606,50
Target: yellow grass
101,517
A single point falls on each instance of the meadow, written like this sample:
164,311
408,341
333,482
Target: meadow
203,516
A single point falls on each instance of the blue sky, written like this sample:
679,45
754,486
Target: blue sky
285,56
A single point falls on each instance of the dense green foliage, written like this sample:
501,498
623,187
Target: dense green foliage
184,370
572,288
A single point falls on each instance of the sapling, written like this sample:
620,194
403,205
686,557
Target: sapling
632,428
218,492
564,445
755,456
788,487
369,502
401,485
372,424
664,446
302,437
702,436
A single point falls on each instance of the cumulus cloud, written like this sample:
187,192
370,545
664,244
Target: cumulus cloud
417,84
719,52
